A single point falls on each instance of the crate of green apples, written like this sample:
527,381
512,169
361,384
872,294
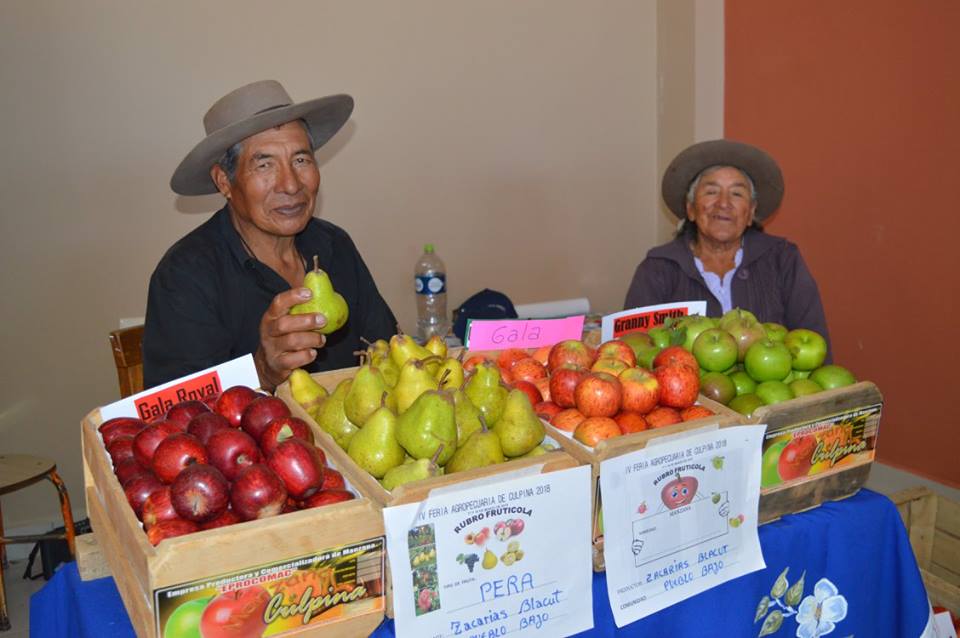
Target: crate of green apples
822,423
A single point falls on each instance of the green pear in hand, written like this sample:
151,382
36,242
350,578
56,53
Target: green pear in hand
325,300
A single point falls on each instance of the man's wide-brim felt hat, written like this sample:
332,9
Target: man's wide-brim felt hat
247,111
756,163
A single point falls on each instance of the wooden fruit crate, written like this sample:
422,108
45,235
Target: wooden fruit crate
847,418
145,574
620,445
933,523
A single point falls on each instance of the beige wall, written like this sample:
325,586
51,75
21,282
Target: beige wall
520,137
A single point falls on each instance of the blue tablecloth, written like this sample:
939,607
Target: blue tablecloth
853,555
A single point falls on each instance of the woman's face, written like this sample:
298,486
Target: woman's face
722,207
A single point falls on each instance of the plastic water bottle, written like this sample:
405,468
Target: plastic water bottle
430,284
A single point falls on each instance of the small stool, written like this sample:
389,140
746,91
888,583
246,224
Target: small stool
16,472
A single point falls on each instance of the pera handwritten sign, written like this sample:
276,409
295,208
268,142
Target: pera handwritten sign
491,560
642,319
514,333
154,403
679,518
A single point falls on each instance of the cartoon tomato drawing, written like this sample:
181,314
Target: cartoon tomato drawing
679,492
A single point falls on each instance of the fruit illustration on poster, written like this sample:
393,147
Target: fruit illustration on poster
235,614
679,492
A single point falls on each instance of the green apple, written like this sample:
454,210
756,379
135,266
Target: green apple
734,316
184,622
768,360
692,326
803,387
661,337
743,382
832,376
745,404
771,392
801,374
715,350
718,386
808,348
775,331
643,347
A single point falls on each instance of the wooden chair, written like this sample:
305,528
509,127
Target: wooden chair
16,472
127,345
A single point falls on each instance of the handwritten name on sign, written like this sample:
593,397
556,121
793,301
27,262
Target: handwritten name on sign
513,333
642,319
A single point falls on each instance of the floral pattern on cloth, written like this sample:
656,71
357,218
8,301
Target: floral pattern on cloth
816,614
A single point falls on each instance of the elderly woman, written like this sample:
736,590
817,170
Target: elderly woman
722,190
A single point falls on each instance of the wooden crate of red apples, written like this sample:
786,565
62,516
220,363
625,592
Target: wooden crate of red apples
237,457
598,394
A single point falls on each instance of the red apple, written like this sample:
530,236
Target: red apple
235,614
200,493
170,529
120,426
530,390
546,410
183,412
332,480
175,453
695,412
662,416
542,354
473,361
231,450
563,384
139,488
618,350
543,385
128,469
326,497
630,422
146,441
673,355
610,365
158,508
528,369
257,492
226,518
595,429
282,429
204,425
570,351
641,390
796,458
299,466
120,449
211,401
510,356
567,420
258,415
598,394
679,385
679,492
233,401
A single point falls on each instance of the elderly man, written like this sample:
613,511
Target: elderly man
225,289
722,190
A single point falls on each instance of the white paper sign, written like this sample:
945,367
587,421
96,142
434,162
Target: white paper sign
620,323
680,518
509,557
150,403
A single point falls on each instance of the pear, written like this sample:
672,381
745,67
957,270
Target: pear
437,346
540,450
520,429
468,416
489,560
414,380
374,448
404,347
325,300
450,374
412,471
307,392
333,420
365,395
428,424
377,348
481,449
486,392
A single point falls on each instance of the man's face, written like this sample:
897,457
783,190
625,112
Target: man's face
722,207
275,188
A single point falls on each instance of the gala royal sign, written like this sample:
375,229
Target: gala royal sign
642,319
153,403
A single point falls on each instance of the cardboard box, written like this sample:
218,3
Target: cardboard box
301,548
